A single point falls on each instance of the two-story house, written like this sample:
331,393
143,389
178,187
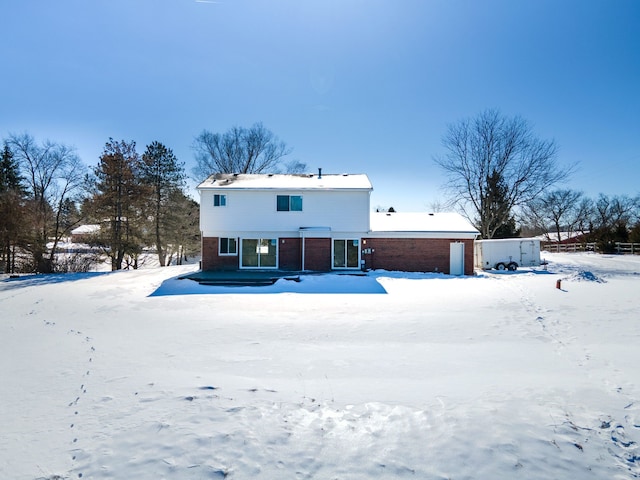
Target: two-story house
321,222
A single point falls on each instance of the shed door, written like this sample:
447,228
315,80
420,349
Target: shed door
456,259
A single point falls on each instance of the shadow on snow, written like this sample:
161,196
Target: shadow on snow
23,281
329,283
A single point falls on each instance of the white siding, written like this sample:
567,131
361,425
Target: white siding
255,211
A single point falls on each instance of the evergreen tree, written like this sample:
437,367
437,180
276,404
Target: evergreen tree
496,216
183,232
10,178
634,234
117,201
69,215
12,203
162,175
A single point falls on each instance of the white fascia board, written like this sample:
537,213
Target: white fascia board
422,234
315,232
250,234
509,240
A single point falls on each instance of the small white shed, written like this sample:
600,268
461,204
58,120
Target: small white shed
507,253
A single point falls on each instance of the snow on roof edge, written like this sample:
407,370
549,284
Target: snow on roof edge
420,222
358,181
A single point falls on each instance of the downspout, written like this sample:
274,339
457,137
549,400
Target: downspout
201,248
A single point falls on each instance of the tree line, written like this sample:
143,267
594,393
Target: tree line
137,201
604,220
507,180
500,175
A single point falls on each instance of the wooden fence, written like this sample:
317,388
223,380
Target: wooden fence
621,248
628,248
569,247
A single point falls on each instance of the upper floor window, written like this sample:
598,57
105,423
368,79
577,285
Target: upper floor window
219,200
289,203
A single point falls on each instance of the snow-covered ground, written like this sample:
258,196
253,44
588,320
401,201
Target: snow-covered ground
140,375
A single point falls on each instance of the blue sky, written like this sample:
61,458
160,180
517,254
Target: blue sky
351,85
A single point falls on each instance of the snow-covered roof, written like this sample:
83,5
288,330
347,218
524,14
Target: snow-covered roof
564,236
421,222
85,229
345,181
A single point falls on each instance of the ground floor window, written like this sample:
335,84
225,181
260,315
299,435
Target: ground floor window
346,253
259,252
227,246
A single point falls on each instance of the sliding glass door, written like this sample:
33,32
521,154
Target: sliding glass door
259,253
346,253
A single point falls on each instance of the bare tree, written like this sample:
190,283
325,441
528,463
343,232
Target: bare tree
494,149
240,150
295,166
560,210
439,205
614,216
54,175
614,211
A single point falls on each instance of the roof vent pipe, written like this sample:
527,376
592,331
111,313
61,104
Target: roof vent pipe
319,173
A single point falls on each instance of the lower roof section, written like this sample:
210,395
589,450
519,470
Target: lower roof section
421,225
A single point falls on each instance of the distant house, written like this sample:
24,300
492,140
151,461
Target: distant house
322,222
565,237
83,233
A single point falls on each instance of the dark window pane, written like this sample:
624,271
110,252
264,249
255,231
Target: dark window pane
296,203
339,253
283,203
352,253
268,252
228,246
250,252
219,200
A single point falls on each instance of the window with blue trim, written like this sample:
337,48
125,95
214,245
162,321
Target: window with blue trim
289,203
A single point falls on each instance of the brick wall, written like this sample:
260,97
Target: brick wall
317,254
404,254
414,254
289,255
212,261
